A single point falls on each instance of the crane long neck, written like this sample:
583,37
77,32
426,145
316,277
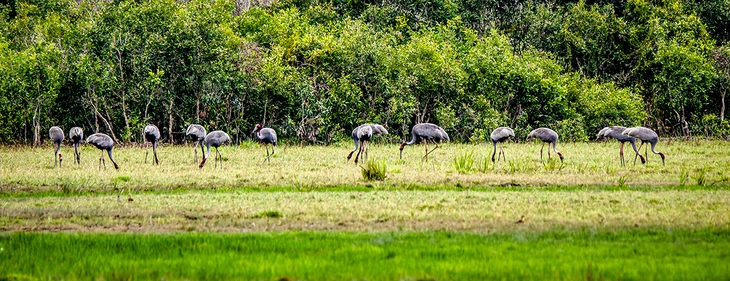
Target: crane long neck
357,143
207,154
58,147
109,151
554,148
653,144
633,145
413,140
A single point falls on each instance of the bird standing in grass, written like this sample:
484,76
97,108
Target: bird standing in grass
546,136
76,134
500,135
645,135
426,132
151,135
198,133
103,142
615,132
266,136
215,139
56,135
362,136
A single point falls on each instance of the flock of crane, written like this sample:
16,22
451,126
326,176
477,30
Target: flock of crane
423,132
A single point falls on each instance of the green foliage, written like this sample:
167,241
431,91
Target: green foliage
464,163
315,69
267,214
374,170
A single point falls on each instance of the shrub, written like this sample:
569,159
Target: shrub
374,170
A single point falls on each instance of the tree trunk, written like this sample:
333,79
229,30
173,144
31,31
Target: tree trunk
169,114
722,107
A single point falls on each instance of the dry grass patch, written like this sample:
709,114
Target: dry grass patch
372,211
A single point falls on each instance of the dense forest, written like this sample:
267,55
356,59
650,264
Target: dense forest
315,69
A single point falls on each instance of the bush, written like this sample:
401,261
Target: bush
374,170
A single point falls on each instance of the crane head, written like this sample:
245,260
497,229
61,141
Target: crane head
202,163
402,145
662,155
116,166
349,155
60,158
257,128
643,159
561,156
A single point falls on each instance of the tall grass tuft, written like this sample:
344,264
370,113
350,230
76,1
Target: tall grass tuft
464,162
374,170
683,176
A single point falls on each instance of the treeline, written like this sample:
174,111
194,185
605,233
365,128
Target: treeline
315,69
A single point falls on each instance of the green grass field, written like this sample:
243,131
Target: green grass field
309,215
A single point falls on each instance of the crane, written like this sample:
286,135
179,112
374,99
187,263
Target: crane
500,135
151,135
103,142
266,136
198,133
426,132
546,136
645,135
76,135
615,132
56,135
362,135
215,139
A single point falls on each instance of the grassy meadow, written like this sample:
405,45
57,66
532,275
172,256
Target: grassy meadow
30,170
310,215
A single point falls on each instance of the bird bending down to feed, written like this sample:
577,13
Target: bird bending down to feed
361,136
151,135
103,142
500,135
76,134
215,139
615,132
426,132
645,135
198,133
56,135
266,136
546,136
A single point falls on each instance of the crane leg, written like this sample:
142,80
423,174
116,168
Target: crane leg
220,156
76,152
501,151
367,147
154,150
425,144
101,160
621,153
195,148
437,146
267,153
637,155
543,146
359,151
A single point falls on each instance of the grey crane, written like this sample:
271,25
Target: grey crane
151,135
615,132
198,133
56,135
500,135
645,135
546,136
103,142
266,136
76,135
215,139
426,132
362,135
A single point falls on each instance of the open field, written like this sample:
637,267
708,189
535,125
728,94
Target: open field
27,170
631,255
309,215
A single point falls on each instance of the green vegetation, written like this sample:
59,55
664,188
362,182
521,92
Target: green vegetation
374,170
314,70
626,255
590,166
